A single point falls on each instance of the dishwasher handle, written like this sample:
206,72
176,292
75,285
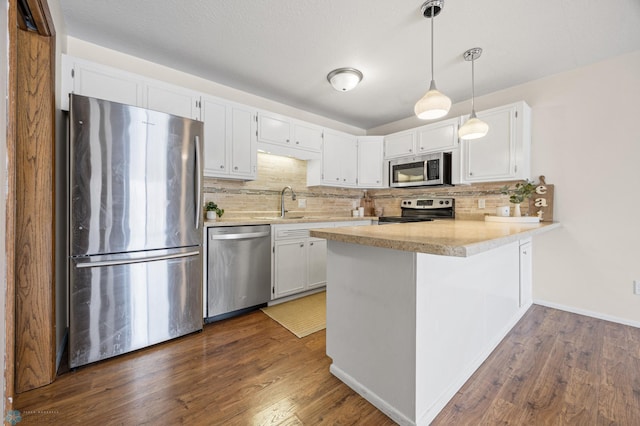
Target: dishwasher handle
240,236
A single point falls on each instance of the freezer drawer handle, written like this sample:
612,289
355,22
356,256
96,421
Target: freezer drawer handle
239,236
138,260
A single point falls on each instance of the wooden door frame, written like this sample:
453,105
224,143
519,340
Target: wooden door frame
43,36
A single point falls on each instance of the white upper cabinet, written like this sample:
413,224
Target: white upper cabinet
230,144
99,81
282,135
339,159
400,144
440,136
172,100
504,153
370,162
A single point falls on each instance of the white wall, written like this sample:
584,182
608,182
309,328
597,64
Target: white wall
585,141
102,55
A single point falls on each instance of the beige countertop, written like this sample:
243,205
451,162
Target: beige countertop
460,238
276,220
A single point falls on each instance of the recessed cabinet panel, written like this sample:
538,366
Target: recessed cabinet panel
400,144
339,159
370,162
317,262
290,272
102,82
243,143
215,139
230,141
273,129
307,136
441,136
172,100
504,153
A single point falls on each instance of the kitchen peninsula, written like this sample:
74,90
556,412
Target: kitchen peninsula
413,309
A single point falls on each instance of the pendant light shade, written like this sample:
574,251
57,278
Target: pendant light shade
474,128
433,104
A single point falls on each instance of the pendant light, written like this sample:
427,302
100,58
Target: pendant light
474,128
433,104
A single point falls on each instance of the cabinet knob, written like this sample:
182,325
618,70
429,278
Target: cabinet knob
222,166
287,140
297,142
301,244
337,178
410,150
312,244
235,168
470,173
422,148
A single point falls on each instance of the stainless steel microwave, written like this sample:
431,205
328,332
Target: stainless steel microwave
428,169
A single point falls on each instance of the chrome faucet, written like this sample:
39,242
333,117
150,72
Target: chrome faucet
293,197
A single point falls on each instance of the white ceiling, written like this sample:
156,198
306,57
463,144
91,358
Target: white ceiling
283,49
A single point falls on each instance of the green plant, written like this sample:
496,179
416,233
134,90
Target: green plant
213,207
522,191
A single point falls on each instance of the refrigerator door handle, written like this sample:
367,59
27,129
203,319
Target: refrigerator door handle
198,182
101,263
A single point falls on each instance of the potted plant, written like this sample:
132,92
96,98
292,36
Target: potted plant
523,191
213,210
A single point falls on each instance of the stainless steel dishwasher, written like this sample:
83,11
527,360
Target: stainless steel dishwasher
238,269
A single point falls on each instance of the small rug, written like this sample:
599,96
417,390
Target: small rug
301,316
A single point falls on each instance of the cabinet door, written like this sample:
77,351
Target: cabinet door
214,115
492,158
399,144
317,262
370,162
349,161
274,129
173,100
307,136
439,136
526,273
290,267
103,82
332,156
243,142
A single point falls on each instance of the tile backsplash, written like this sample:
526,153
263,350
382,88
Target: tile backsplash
261,197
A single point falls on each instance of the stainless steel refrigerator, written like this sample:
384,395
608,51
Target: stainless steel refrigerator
135,228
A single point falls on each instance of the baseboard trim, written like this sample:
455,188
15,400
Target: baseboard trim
587,313
374,399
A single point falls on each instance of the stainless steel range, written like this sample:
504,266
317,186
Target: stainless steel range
422,210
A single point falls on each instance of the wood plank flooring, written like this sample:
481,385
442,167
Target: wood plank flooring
554,368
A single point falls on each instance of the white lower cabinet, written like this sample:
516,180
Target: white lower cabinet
526,272
290,272
300,261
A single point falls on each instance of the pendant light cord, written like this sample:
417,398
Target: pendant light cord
432,12
473,90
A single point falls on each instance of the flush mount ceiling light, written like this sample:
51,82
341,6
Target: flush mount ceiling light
433,104
474,128
344,79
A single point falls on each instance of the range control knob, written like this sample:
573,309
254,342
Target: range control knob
441,202
446,202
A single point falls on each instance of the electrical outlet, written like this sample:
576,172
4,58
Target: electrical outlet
481,203
636,287
302,203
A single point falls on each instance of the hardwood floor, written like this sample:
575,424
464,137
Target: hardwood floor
554,368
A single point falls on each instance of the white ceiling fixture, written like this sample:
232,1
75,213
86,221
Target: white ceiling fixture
344,79
433,104
473,128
